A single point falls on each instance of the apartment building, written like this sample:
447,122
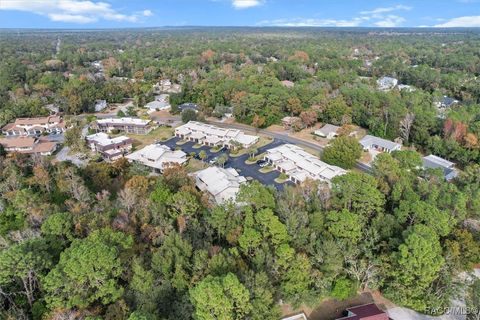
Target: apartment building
127,124
110,148
222,184
300,165
23,127
158,157
29,145
210,135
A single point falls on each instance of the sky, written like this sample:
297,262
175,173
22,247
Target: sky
293,13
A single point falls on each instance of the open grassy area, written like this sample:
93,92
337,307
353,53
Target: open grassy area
195,165
159,134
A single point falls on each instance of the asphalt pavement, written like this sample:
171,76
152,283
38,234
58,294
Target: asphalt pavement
238,163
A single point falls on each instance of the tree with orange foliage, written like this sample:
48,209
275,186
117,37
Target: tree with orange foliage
301,56
294,106
258,121
309,117
471,140
207,55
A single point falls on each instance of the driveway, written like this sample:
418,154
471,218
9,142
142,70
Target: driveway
238,163
63,155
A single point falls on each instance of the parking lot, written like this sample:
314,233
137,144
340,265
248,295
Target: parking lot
238,163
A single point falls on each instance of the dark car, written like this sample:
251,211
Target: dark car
260,162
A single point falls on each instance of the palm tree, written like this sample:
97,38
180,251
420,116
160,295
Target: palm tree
222,159
203,155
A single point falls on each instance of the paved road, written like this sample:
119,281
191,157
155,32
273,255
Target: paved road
238,163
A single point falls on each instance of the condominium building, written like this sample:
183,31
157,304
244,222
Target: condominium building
300,165
23,127
222,184
158,157
210,135
29,145
110,148
127,124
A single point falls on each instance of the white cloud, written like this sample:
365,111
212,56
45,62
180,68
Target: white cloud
147,13
74,18
467,21
387,9
390,21
72,11
244,4
377,17
300,22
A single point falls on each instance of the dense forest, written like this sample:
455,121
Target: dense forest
110,241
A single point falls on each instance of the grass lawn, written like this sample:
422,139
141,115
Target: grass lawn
159,134
215,149
181,142
195,165
255,159
262,141
281,178
197,146
266,169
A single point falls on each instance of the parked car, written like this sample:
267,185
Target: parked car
263,164
260,162
213,161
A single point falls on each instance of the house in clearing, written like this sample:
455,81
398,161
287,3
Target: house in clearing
210,135
328,131
445,102
300,165
434,162
29,145
100,105
127,124
160,103
222,184
365,312
110,148
386,83
157,157
376,144
188,106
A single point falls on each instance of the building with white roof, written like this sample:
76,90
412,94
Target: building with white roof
110,148
298,316
386,83
300,165
328,131
434,162
161,102
372,143
157,157
214,136
126,124
222,184
100,105
34,126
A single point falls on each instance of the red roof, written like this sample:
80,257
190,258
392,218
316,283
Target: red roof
365,312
